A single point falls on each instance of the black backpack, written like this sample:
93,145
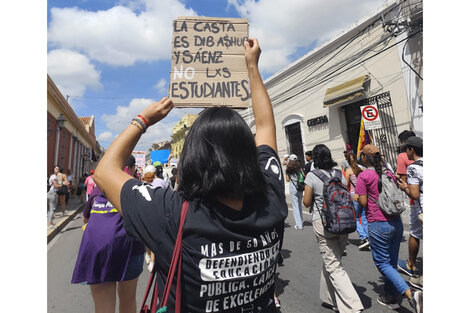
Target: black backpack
338,215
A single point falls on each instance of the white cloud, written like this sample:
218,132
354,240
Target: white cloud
72,72
284,26
122,35
105,136
161,86
161,131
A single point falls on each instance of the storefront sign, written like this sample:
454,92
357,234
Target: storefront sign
370,115
317,121
208,62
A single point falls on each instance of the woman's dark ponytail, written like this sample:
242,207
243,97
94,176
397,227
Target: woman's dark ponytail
376,162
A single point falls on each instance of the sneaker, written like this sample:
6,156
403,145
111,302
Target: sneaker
277,302
298,228
416,301
391,304
364,244
403,267
51,226
416,282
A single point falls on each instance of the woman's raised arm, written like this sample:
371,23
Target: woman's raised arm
109,175
262,108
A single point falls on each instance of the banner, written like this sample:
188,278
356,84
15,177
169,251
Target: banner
208,62
160,155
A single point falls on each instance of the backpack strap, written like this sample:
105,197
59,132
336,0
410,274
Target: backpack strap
321,175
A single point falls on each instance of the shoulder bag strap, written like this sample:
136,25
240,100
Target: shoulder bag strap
175,261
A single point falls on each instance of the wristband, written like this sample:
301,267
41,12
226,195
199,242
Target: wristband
136,124
143,119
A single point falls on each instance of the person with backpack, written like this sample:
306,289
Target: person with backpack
336,290
379,194
295,178
413,187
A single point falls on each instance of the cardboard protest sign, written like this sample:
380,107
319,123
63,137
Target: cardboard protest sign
208,62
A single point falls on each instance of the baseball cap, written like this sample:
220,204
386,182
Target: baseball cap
413,141
292,157
149,169
157,163
91,172
370,149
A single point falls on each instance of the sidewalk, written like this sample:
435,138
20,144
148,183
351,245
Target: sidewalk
73,208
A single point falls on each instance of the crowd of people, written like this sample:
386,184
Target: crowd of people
226,202
379,232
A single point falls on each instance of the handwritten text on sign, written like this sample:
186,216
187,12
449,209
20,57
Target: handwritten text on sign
208,62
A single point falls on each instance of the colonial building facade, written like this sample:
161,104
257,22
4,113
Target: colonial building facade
72,145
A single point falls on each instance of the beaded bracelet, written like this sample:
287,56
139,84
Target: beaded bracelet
136,120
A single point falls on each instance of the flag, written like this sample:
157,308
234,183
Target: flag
364,138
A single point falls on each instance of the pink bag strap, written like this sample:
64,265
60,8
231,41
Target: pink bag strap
176,261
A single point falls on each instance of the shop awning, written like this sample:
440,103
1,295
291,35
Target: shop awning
346,93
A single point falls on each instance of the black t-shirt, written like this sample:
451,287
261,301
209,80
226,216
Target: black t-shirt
229,256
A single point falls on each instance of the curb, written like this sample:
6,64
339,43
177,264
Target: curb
64,223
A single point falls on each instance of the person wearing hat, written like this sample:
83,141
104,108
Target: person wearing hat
385,232
89,184
413,187
294,177
161,178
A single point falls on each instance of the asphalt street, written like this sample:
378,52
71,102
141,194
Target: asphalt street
297,283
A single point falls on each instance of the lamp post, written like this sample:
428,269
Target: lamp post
60,124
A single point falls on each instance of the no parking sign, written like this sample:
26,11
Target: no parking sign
370,115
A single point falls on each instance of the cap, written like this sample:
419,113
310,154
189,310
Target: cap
157,163
370,150
413,141
286,156
91,172
292,157
149,169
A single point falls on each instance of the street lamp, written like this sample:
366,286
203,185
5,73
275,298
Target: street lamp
60,122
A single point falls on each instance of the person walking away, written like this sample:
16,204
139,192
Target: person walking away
71,189
63,190
233,187
413,187
385,232
148,178
294,177
81,187
52,196
89,184
161,174
402,158
174,178
109,260
352,172
336,290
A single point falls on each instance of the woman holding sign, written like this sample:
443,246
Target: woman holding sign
232,187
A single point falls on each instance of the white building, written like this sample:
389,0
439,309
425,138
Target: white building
317,98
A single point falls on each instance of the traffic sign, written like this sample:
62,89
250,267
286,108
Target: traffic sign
371,117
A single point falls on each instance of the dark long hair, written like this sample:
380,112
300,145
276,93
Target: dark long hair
322,157
353,163
377,162
219,157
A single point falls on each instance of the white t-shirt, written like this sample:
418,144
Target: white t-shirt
414,176
51,183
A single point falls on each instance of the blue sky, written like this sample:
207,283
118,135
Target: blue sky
112,58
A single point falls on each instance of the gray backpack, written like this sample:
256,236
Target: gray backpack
338,214
391,200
